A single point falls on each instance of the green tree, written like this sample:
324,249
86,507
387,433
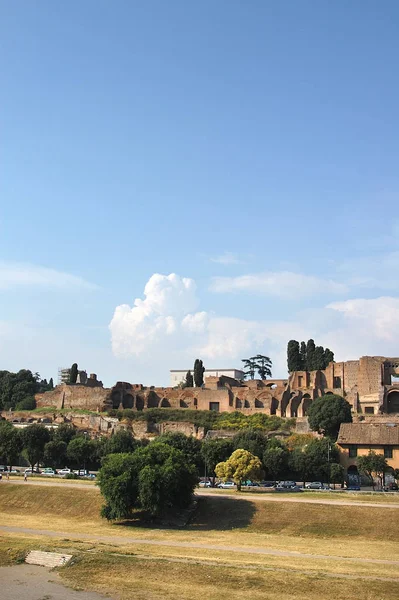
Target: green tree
55,454
252,440
188,444
303,357
34,439
249,367
313,461
326,414
241,466
28,403
118,482
263,365
189,380
275,461
373,465
155,478
16,387
80,451
328,357
51,384
199,370
337,473
310,358
73,376
214,451
318,358
294,362
121,442
10,443
64,433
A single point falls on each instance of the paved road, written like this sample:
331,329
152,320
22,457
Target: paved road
266,497
123,541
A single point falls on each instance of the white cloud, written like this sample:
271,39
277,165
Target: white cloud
227,258
164,329
279,283
23,274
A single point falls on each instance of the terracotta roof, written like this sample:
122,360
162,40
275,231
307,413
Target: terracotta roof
369,434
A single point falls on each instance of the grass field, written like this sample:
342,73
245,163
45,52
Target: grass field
222,546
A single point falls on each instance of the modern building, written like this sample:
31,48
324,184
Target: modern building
177,376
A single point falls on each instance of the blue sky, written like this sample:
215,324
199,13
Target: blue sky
249,149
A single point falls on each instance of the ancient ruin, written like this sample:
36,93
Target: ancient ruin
366,384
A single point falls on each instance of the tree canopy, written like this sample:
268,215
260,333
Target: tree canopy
34,438
373,465
241,466
257,364
326,414
306,356
155,478
17,390
189,382
252,440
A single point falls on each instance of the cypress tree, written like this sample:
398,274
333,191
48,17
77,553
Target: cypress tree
189,380
51,384
198,373
293,356
328,357
310,350
303,357
318,358
74,373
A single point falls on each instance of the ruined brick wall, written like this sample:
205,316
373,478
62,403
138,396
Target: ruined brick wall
76,397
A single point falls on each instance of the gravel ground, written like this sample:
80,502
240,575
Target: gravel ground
30,582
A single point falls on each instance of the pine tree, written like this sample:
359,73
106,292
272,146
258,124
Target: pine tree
189,380
293,356
198,373
51,384
249,367
263,365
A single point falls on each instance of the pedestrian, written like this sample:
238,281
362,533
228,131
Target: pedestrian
25,476
8,476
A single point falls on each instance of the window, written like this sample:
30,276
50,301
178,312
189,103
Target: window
352,451
214,406
369,410
300,380
387,452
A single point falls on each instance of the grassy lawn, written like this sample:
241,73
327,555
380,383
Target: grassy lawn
227,533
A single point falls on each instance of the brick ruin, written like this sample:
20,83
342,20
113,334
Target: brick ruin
366,384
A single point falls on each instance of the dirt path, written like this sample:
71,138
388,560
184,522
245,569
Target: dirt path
120,540
267,497
29,582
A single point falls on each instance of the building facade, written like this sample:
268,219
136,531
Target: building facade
178,376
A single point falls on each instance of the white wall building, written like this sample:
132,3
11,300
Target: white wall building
177,376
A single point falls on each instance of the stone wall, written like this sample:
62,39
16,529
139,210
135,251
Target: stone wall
76,397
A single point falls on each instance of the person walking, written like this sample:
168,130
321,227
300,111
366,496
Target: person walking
25,476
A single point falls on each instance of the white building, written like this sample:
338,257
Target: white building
177,376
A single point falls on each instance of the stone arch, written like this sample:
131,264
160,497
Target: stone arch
116,399
328,393
247,404
183,403
238,402
274,406
306,402
139,402
165,403
196,402
259,403
152,400
393,401
295,401
271,385
128,401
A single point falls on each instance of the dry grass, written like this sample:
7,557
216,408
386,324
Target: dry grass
165,580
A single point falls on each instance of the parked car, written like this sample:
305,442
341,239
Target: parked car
314,485
250,484
91,476
81,473
35,471
268,484
49,472
15,472
391,487
3,468
205,484
64,471
286,485
227,485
